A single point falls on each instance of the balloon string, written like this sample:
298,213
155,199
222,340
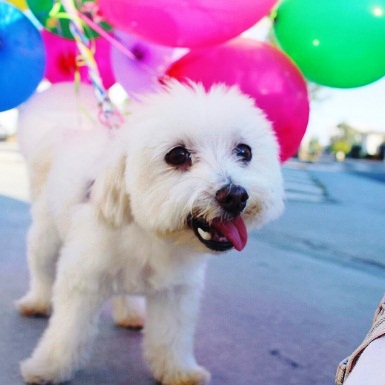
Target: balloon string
116,43
107,36
108,114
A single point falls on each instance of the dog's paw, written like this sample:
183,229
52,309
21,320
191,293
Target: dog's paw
30,306
38,373
194,376
129,311
132,322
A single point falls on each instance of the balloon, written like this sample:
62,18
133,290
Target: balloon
22,57
62,105
140,72
261,71
46,12
21,4
336,43
61,60
187,23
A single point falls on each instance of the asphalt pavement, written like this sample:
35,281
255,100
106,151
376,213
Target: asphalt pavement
298,300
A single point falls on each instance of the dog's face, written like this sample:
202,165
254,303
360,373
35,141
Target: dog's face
202,167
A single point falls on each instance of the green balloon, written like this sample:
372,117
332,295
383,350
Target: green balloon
51,14
336,43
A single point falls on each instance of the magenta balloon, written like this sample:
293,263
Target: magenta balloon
140,72
187,23
61,60
261,71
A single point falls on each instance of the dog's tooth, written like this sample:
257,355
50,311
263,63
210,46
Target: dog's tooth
206,236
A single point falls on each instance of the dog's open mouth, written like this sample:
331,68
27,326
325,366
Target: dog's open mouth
222,234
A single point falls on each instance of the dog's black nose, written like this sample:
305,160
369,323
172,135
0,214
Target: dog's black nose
232,198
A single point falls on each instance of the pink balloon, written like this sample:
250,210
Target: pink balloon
140,72
61,60
187,23
261,71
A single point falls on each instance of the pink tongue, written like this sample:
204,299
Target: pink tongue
234,230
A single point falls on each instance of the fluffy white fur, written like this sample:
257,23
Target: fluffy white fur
116,212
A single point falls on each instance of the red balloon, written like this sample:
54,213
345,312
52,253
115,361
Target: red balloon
62,64
261,71
185,23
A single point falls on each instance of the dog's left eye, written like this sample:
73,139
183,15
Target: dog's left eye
243,151
178,156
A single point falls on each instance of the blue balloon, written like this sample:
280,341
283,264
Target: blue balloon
22,57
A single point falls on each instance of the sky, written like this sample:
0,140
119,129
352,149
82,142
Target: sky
362,107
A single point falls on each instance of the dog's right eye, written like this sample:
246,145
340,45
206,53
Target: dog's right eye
178,156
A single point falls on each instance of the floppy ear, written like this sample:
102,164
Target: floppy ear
110,196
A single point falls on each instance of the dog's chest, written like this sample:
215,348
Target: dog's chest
149,264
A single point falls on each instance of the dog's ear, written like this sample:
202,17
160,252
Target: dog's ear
110,195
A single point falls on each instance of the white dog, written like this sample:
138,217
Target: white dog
137,215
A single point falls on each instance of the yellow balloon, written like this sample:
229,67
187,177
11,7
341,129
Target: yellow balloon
21,4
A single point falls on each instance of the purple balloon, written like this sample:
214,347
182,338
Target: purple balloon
140,71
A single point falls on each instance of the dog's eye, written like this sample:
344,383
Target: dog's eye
243,151
178,156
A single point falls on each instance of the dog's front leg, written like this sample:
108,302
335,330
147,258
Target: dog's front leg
63,347
169,334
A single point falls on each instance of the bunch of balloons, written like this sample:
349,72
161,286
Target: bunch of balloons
137,43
